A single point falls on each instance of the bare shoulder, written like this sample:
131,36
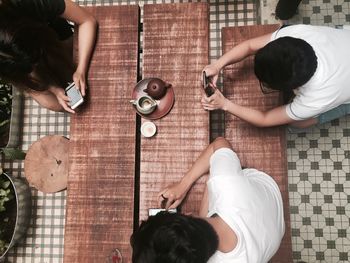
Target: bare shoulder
221,142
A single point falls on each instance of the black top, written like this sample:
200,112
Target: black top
46,11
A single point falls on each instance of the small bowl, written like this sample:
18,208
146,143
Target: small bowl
148,129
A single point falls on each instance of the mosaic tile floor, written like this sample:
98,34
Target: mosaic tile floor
318,161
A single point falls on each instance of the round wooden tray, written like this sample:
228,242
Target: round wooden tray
164,105
46,164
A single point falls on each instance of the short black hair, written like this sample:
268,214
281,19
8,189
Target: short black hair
285,63
173,238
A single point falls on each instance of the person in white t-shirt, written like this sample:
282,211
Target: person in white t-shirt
309,62
240,220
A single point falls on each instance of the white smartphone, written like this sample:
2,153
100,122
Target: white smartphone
75,96
154,211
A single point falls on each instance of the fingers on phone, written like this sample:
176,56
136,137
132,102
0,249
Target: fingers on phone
68,109
82,88
66,98
175,204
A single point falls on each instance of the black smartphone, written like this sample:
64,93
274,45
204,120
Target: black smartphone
209,90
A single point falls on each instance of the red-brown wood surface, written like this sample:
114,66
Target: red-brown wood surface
175,50
260,148
100,197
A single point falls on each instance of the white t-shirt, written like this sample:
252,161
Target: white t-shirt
250,202
329,87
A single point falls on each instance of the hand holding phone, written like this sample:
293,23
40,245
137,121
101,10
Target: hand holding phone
209,90
75,96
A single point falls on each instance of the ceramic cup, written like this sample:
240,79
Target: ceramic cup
145,104
148,129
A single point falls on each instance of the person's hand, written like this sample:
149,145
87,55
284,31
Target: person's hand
79,79
62,98
173,195
214,102
212,72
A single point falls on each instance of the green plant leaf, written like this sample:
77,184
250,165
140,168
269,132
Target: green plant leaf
3,123
4,184
13,154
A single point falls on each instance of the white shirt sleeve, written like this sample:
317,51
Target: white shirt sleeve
299,110
224,162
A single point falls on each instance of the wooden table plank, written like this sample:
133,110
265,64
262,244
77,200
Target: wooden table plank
176,49
260,148
100,197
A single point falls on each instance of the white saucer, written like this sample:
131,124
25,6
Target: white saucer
148,129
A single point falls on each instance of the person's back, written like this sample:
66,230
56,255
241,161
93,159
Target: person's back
328,87
240,220
249,201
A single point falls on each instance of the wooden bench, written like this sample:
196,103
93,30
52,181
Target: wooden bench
260,148
176,49
100,196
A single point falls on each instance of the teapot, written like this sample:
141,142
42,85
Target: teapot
144,104
157,88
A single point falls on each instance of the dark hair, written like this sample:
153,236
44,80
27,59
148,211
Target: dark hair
173,238
30,52
285,63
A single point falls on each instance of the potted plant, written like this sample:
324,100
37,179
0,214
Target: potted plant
11,111
15,211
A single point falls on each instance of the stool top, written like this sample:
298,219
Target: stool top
46,164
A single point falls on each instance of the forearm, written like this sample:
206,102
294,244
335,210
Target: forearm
273,117
87,37
174,194
242,50
46,99
202,164
199,168
236,54
87,32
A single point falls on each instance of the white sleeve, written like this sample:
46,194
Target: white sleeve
224,162
297,110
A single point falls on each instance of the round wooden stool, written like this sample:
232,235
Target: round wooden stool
46,164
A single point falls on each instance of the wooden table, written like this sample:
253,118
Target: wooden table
260,148
176,49
102,180
100,196
115,173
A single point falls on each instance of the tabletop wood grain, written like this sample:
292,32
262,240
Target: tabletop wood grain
100,197
260,148
176,49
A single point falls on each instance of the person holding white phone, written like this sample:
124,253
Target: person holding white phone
240,220
36,48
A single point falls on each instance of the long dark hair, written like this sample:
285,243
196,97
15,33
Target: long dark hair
30,53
